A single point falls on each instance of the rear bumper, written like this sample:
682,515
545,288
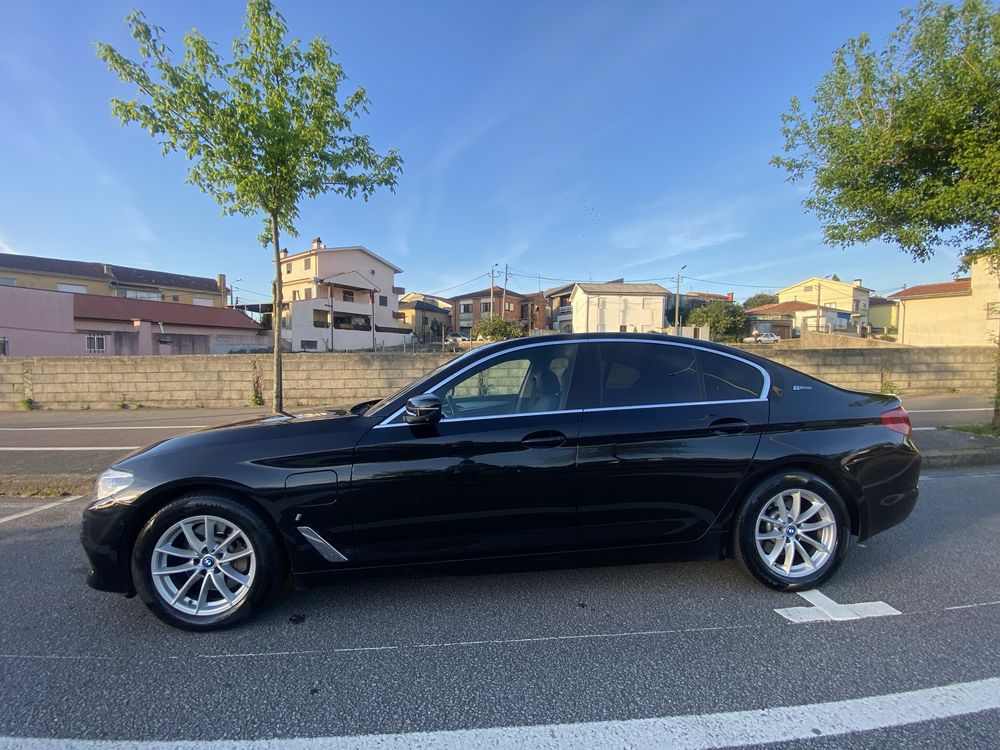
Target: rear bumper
890,501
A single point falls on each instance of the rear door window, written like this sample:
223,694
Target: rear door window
729,379
647,374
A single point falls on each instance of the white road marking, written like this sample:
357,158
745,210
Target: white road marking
825,609
60,429
87,448
40,508
946,411
685,732
915,429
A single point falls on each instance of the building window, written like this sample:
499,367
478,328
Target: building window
484,307
383,301
807,288
288,268
307,263
176,298
348,295
4,347
307,345
202,302
74,288
139,294
465,308
857,305
309,293
425,320
508,307
602,302
95,344
7,281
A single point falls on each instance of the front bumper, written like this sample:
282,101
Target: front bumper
104,534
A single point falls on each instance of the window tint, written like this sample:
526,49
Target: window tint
639,374
727,379
521,382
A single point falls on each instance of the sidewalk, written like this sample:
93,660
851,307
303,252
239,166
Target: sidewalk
943,448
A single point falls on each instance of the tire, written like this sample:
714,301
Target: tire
817,537
212,586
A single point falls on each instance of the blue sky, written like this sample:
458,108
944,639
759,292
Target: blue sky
568,139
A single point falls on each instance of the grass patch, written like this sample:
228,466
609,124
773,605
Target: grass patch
985,430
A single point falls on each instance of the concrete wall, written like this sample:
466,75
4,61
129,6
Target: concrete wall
338,379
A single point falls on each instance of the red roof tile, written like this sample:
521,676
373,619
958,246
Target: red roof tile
97,307
944,289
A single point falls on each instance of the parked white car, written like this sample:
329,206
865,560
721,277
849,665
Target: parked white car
764,338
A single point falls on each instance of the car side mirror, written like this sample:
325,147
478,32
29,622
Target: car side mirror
425,409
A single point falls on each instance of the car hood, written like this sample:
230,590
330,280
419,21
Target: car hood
336,426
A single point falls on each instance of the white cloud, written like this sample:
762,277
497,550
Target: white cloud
5,248
664,232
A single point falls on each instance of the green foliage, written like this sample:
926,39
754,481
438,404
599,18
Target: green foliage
763,298
888,386
495,328
28,404
902,144
725,319
262,130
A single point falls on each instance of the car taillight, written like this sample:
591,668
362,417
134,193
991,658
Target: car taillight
897,420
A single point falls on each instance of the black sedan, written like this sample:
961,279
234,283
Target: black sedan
551,445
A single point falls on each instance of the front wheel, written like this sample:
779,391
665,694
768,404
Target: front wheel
792,532
205,562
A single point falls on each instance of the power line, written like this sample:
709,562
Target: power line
456,286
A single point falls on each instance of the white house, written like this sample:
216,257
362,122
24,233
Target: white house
333,295
618,307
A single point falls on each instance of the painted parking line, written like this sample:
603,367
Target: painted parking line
40,508
687,732
825,609
130,427
77,448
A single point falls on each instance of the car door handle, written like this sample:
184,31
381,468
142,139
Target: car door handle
543,439
729,426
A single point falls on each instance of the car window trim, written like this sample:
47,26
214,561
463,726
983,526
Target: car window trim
387,422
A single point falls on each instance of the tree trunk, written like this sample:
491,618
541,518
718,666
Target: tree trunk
276,318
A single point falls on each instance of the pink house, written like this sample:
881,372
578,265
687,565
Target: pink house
38,322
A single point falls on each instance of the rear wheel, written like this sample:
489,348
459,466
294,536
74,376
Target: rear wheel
205,562
792,532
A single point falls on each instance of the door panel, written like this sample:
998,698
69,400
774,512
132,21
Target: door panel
673,432
495,476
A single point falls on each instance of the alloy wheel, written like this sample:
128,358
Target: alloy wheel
796,533
203,566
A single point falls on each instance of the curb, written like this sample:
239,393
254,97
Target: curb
936,459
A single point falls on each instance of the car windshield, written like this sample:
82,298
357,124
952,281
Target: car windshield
374,409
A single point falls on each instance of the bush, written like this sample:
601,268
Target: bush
494,328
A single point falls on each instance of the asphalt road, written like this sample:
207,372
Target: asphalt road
652,655
87,442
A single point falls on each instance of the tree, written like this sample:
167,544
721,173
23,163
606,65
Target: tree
902,144
725,320
263,130
495,328
762,298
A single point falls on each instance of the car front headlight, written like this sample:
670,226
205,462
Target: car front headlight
112,481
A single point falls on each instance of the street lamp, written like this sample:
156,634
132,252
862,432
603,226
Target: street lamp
677,301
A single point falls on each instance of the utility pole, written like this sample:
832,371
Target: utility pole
819,286
503,295
677,302
491,292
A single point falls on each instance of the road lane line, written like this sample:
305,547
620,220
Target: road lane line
684,732
40,508
141,427
923,428
88,448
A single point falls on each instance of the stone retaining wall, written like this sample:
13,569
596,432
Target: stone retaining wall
337,379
